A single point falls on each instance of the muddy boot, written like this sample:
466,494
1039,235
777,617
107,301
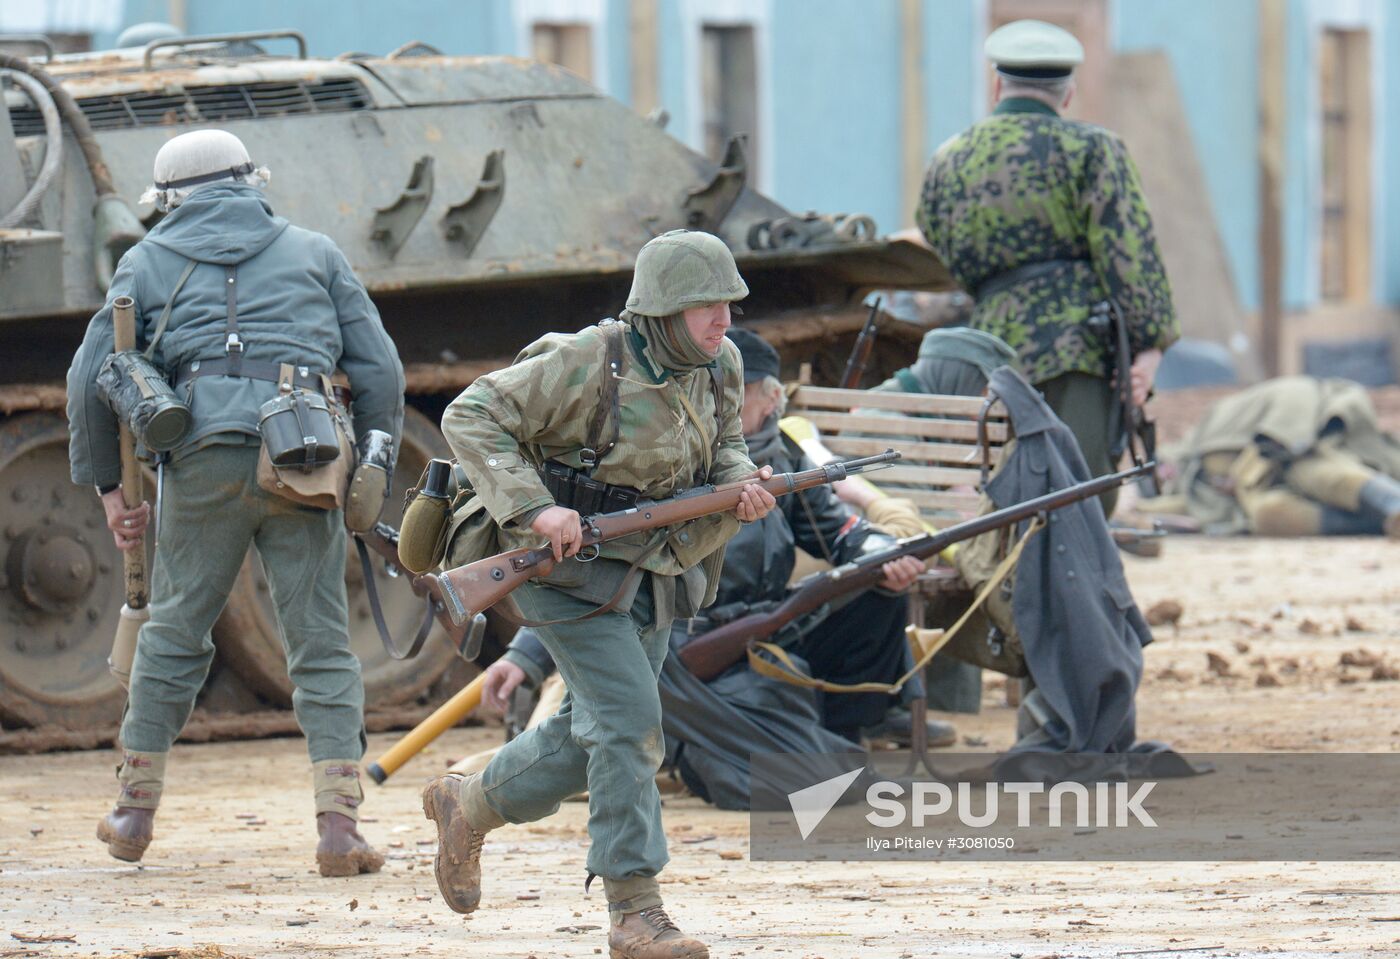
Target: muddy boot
128,828
650,934
341,851
458,806
1381,496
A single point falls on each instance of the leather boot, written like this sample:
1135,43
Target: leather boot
342,851
650,934
457,864
1381,496
127,831
128,828
898,727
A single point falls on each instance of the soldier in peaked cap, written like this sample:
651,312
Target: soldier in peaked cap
1040,218
649,407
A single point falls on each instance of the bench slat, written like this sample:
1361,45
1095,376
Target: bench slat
925,476
834,424
968,454
962,504
910,403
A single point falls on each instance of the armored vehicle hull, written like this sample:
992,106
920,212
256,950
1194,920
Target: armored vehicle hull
483,201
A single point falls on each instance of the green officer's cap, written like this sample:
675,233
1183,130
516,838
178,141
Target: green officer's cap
681,269
1033,49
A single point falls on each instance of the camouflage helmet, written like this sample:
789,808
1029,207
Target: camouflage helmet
681,269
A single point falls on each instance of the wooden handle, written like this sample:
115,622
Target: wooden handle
134,559
417,739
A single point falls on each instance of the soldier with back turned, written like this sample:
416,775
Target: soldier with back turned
1040,218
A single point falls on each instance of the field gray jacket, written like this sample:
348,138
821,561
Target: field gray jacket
298,302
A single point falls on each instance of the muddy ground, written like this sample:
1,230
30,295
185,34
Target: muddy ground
1286,646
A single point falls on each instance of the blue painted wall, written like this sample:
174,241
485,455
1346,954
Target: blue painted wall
1214,54
836,132
951,61
335,26
835,142
1388,282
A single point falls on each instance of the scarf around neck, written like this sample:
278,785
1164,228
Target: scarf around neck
670,341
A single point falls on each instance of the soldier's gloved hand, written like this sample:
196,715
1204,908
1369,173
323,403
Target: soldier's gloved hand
1144,373
562,527
755,502
500,681
127,525
901,573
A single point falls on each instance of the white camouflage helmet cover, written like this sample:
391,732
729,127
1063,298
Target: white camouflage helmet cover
198,158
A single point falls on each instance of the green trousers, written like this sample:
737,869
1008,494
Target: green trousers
1085,403
212,511
605,738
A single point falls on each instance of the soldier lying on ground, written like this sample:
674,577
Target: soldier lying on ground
862,641
1293,456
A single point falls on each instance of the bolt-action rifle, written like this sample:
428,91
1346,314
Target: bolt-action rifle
860,353
468,591
711,653
1129,428
466,637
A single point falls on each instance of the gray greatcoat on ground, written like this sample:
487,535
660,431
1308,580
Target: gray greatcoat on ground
1082,632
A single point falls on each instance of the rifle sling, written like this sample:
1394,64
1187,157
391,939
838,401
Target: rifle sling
391,647
787,671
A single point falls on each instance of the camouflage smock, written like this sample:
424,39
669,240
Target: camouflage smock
503,426
1025,186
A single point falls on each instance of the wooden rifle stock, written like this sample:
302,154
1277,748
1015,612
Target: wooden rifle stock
860,353
383,539
712,652
476,587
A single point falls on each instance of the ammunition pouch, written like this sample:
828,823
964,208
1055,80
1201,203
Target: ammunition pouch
143,401
369,483
580,492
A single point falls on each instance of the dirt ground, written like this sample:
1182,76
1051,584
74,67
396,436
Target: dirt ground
1256,661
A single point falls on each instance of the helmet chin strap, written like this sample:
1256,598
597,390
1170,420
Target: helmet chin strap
242,169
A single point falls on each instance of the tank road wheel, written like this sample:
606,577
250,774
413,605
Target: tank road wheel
61,588
247,634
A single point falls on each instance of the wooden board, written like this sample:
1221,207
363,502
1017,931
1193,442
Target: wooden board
835,424
961,454
820,397
1145,109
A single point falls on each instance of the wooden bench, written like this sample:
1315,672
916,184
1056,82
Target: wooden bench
948,444
943,455
945,442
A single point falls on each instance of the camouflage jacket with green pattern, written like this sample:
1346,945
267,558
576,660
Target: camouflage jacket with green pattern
507,423
1025,186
